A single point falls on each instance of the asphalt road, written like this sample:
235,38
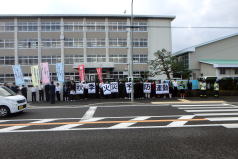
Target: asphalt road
122,132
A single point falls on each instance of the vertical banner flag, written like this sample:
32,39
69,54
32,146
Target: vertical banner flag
99,72
35,75
79,88
91,88
60,71
106,89
81,73
147,87
162,88
45,74
19,79
114,87
128,87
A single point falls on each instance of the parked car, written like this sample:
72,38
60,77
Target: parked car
10,102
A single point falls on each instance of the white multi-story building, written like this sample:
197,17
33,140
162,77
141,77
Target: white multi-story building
92,40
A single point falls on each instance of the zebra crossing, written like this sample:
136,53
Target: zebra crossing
225,115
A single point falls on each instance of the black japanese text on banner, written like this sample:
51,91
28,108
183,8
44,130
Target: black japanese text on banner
128,87
114,87
162,88
106,89
147,87
91,88
79,88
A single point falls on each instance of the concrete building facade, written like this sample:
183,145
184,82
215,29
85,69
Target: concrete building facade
217,58
92,40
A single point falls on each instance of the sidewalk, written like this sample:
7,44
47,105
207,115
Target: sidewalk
117,101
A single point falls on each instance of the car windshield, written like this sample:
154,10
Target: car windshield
4,92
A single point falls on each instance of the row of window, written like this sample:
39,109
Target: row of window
71,59
72,43
72,26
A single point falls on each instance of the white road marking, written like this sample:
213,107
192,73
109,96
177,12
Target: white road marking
216,114
198,105
124,125
19,127
89,114
70,126
223,119
181,123
108,128
230,125
214,110
1,121
206,107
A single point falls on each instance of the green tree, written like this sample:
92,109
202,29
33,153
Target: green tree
165,63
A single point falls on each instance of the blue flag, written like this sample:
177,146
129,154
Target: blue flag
60,71
19,79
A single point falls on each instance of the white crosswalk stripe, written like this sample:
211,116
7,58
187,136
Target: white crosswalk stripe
221,112
19,127
181,123
124,125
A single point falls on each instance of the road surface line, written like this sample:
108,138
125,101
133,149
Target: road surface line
19,127
124,125
181,123
213,110
197,105
70,126
206,108
230,125
108,128
215,114
223,119
89,114
103,122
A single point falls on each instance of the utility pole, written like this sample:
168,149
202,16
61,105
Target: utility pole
131,55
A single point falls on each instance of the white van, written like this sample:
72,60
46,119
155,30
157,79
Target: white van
10,102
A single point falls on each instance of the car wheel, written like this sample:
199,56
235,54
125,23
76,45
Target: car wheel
4,111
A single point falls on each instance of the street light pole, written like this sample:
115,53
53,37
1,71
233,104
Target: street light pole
131,55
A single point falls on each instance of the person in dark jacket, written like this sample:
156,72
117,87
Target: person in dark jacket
47,92
52,93
24,91
14,88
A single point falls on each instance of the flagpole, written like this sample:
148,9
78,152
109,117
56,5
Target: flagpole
131,55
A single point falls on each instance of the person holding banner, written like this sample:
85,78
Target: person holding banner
182,90
24,91
41,92
33,93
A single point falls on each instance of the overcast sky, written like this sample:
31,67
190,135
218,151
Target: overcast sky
188,13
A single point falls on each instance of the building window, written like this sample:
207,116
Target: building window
28,60
73,43
95,42
140,26
51,59
28,43
6,44
117,26
236,71
7,60
73,26
6,26
71,59
117,42
95,26
51,43
96,58
27,26
222,71
50,26
118,58
140,42
142,58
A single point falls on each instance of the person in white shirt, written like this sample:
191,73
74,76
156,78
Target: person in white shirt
175,84
33,93
57,90
41,92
